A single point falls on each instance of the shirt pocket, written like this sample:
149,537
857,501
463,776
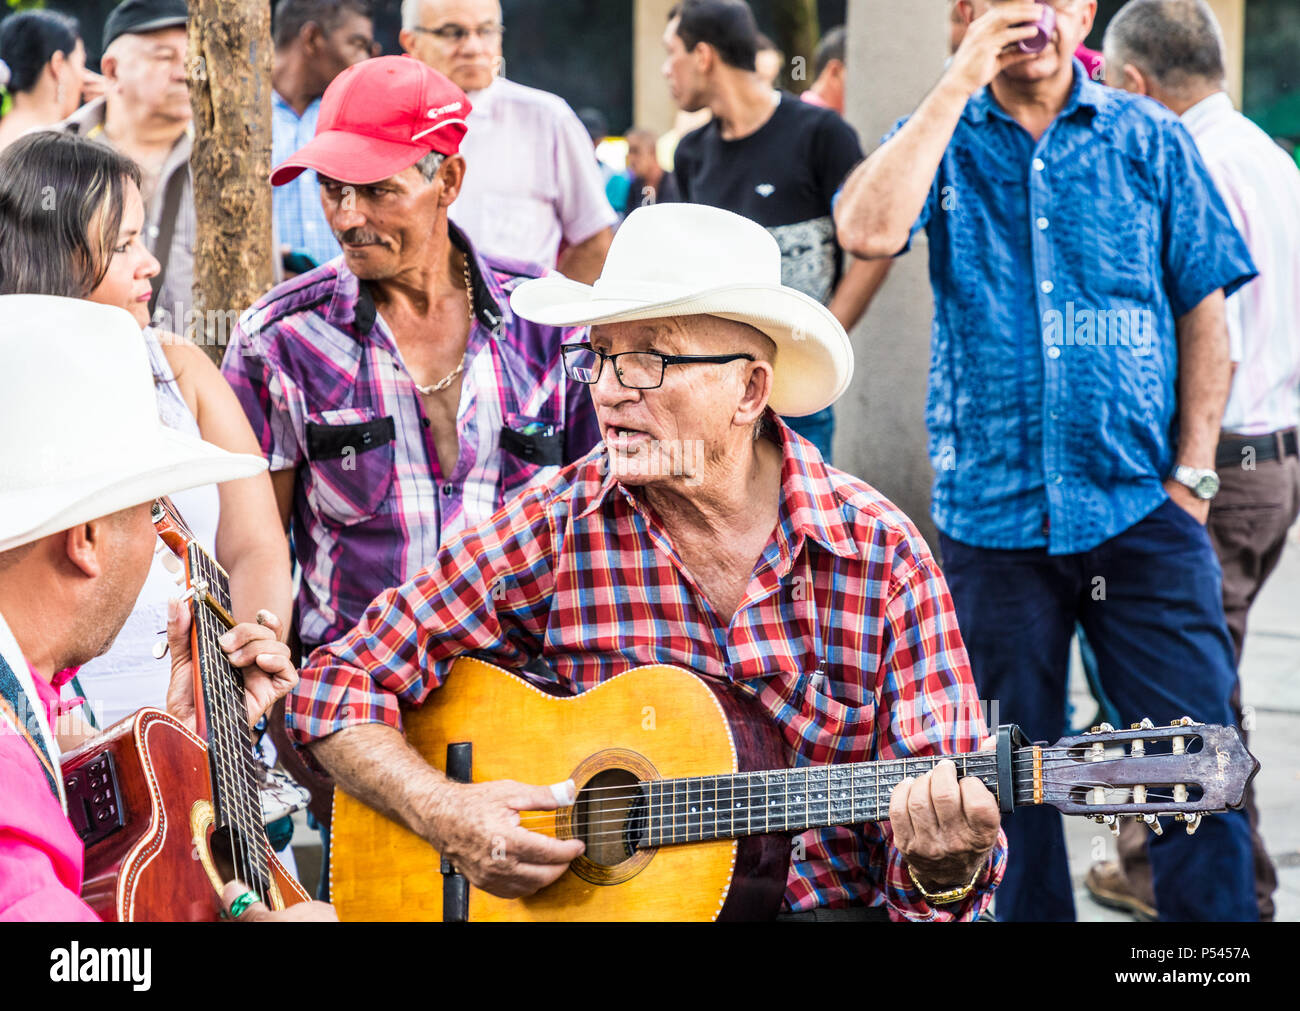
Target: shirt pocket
532,450
351,454
819,726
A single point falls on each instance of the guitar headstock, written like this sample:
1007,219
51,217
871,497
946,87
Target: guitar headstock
172,530
1185,769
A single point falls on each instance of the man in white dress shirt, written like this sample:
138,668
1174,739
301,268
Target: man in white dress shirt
1172,50
534,193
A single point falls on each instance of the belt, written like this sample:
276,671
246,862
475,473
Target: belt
1277,446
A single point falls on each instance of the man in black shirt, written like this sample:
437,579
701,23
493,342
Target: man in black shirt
769,157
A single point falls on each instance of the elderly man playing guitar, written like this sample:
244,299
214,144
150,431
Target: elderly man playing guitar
705,534
83,459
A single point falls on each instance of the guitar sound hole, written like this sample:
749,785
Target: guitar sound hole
234,860
609,817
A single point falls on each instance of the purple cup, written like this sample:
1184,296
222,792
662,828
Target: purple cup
1046,24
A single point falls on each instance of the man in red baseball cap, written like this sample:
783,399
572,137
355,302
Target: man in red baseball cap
396,396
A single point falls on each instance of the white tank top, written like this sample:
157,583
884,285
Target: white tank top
128,677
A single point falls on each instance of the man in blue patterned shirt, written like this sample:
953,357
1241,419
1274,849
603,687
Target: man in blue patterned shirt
1080,256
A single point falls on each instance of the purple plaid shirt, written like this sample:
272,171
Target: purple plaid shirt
320,377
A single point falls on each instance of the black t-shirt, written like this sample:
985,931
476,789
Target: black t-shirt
783,176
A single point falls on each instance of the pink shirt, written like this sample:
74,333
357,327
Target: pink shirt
40,853
1261,186
532,185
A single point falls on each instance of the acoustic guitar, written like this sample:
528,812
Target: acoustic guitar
168,816
686,803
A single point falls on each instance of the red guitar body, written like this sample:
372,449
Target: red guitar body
140,794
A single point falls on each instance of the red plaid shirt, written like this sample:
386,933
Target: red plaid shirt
846,636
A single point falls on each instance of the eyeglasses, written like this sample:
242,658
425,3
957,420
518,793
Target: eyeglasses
455,35
636,370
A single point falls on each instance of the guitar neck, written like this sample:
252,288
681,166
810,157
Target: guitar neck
789,800
236,795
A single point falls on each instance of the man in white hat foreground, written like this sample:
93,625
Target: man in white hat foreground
703,533
83,458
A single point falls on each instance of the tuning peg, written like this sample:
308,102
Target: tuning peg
1111,822
1153,823
1193,823
1184,721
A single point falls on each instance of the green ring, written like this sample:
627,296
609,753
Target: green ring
241,904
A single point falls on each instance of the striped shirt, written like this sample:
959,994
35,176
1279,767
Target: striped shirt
846,638
325,388
1261,187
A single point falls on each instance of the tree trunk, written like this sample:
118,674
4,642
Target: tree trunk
797,33
230,89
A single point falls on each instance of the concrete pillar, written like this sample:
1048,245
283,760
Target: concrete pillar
1232,18
894,59
653,105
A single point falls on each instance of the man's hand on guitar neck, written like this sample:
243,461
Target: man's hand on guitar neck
478,827
944,829
254,650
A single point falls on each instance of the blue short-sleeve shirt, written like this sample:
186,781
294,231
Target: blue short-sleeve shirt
1059,269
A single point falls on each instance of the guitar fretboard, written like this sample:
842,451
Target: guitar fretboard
236,797
788,800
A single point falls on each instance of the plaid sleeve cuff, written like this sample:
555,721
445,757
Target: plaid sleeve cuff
905,902
331,697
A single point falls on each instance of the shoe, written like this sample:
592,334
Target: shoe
1108,887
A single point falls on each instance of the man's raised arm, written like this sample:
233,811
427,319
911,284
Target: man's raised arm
886,194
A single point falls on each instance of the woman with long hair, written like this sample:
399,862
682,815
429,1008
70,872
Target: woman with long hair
71,224
43,70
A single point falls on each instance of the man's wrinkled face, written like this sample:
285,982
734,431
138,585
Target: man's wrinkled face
461,39
1074,20
348,44
150,73
386,226
667,436
681,72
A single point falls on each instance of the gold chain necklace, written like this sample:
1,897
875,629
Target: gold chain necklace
442,384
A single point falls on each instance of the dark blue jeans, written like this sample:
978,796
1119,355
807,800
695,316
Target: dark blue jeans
1151,604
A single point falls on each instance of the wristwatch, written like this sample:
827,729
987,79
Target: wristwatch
950,896
1203,483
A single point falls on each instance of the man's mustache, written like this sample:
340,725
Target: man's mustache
358,237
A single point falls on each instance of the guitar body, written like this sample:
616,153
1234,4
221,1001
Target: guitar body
144,787
650,723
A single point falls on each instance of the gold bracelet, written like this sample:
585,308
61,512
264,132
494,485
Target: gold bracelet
952,894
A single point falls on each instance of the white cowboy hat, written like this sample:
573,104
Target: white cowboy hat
79,417
690,260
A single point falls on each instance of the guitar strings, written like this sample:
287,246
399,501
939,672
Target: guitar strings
224,742
226,728
667,813
668,825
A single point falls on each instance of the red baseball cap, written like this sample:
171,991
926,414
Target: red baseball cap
378,118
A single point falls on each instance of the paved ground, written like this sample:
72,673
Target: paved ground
1270,670
1271,673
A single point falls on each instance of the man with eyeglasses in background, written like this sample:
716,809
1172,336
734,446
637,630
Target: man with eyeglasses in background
534,193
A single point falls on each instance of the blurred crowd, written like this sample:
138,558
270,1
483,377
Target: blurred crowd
1114,394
